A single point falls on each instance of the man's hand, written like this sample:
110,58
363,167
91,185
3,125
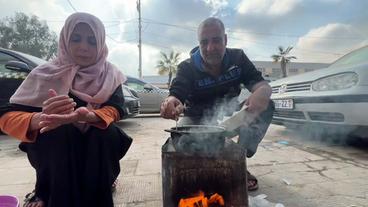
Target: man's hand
260,98
171,108
52,121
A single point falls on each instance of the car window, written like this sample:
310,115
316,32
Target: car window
355,57
4,58
126,92
135,86
34,59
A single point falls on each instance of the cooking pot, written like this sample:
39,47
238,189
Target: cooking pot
198,139
196,130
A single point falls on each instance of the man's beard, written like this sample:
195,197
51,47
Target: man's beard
214,59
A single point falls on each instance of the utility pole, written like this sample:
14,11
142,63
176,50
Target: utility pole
140,38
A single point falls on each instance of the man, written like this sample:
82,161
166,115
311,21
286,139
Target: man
209,84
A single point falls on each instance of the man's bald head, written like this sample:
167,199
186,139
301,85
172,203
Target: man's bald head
211,21
212,42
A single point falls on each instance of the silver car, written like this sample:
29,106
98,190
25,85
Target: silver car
333,98
150,96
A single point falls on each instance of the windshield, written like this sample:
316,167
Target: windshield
126,92
355,57
34,59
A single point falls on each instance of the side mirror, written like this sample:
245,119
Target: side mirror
148,87
17,66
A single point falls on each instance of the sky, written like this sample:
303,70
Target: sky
319,30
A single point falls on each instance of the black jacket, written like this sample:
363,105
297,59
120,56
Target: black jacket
204,94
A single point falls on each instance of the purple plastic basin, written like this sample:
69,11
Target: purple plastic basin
8,201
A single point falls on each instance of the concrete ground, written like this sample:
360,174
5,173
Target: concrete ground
291,170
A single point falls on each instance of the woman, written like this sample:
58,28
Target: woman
64,114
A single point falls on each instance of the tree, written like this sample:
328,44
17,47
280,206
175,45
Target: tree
168,64
283,58
29,35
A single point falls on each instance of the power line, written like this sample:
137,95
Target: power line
274,45
75,10
71,5
165,37
256,33
255,42
192,29
295,36
121,42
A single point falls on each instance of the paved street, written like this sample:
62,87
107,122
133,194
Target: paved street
292,170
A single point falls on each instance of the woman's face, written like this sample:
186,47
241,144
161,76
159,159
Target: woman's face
82,45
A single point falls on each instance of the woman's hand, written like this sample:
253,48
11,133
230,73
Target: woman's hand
58,104
52,121
55,104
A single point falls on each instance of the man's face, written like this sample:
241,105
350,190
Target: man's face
212,44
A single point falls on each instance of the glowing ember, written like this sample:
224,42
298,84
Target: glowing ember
201,201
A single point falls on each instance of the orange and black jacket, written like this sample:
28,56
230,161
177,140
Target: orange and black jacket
15,118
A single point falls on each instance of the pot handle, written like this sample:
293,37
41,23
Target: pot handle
168,130
175,131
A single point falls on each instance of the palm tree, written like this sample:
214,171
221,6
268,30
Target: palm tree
168,64
283,58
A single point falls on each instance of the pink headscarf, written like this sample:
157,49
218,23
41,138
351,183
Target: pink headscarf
93,84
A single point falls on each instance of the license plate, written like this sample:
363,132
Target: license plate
284,104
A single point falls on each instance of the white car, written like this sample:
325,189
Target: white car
335,98
150,96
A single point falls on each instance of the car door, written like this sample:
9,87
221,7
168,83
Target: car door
9,80
147,97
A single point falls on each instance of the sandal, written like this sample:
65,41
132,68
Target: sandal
32,200
253,180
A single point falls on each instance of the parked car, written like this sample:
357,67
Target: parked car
150,96
15,66
131,104
335,98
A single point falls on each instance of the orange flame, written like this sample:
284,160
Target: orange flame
201,201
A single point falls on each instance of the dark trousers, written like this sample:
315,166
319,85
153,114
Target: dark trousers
77,169
251,136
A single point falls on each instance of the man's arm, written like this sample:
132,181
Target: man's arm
173,105
259,99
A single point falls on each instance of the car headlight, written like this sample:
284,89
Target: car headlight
336,82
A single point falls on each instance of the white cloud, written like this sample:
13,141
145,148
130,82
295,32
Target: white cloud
171,24
125,57
268,7
48,10
327,43
240,39
217,5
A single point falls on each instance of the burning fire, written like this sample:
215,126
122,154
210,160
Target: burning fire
201,201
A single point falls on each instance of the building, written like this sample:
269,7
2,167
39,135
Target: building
269,69
273,69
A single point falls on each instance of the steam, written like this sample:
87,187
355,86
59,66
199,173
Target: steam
221,109
340,135
204,145
208,144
